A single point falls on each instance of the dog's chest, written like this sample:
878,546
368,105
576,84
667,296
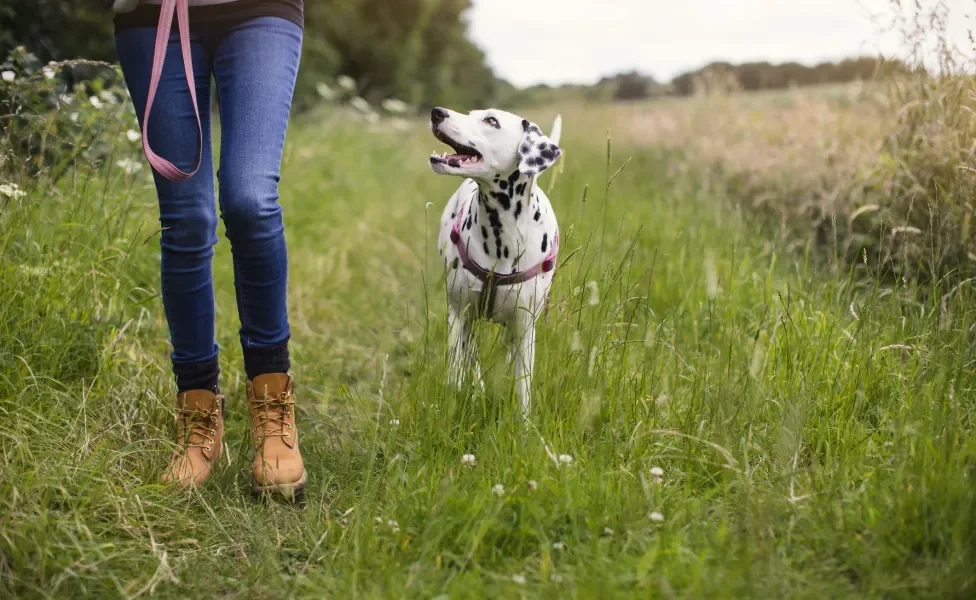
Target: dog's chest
503,239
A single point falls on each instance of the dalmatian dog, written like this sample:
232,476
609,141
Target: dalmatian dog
498,236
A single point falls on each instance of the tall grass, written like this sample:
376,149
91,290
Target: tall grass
716,414
880,173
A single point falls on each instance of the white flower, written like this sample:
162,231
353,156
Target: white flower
468,460
108,97
379,520
392,105
607,531
519,579
95,102
325,91
8,75
566,459
11,191
74,117
346,82
129,166
394,526
656,517
48,72
395,422
133,135
498,490
594,293
533,486
558,546
67,99
556,578
360,104
657,471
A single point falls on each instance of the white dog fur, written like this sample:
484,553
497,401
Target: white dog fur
508,226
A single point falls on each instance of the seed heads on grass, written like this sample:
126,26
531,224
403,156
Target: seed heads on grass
498,489
468,460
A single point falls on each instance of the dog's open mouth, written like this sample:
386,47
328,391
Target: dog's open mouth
463,155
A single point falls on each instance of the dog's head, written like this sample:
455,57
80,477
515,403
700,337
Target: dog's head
489,142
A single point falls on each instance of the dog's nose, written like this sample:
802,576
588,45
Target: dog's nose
438,115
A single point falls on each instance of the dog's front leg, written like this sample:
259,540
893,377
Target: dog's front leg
523,355
461,351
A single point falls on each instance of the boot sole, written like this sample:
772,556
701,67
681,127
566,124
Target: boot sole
293,492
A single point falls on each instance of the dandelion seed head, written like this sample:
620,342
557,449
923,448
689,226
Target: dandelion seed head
657,471
468,460
656,517
566,459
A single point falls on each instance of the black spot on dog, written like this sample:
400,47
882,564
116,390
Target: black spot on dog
506,251
524,150
476,216
545,241
493,219
456,262
484,232
548,152
538,215
525,124
503,184
497,175
485,246
520,188
518,209
503,200
538,161
453,215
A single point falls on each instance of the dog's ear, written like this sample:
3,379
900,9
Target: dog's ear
536,152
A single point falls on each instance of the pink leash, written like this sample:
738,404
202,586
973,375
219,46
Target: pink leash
163,166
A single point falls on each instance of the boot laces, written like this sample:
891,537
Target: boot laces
272,415
199,425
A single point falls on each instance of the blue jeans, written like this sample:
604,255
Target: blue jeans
254,65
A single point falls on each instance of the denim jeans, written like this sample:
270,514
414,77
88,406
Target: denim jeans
254,65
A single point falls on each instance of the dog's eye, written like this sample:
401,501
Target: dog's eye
493,122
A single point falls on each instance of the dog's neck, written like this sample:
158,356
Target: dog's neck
501,216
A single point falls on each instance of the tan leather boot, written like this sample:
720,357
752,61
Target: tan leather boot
199,437
278,466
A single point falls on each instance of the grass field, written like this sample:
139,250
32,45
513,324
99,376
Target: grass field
815,429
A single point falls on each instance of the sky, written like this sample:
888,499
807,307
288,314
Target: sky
579,41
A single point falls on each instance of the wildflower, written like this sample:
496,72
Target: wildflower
533,486
10,190
657,472
8,75
392,105
108,97
498,490
48,72
360,104
468,460
133,135
74,117
325,91
129,166
556,578
395,422
95,102
346,82
656,517
379,520
594,293
394,526
566,459
608,532
67,99
519,579
558,546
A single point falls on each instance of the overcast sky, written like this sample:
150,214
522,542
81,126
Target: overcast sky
579,41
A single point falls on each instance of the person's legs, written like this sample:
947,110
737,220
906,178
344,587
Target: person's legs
186,209
255,66
189,232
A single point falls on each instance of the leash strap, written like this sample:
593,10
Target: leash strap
166,10
491,280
